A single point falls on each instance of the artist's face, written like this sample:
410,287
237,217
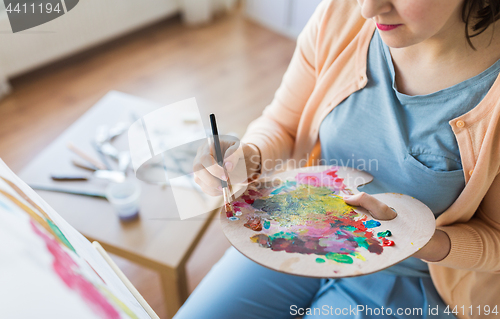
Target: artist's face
404,23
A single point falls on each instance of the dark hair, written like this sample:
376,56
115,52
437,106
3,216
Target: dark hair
478,15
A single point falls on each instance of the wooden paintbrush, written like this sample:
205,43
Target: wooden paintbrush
220,160
85,156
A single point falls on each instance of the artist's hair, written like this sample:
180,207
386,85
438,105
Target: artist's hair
478,15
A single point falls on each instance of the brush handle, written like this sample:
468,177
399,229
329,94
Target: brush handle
86,166
68,191
85,156
69,177
218,151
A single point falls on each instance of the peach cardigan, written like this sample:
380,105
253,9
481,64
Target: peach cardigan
328,65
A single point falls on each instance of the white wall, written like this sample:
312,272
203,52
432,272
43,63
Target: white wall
287,17
91,22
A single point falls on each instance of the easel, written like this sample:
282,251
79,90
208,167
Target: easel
125,281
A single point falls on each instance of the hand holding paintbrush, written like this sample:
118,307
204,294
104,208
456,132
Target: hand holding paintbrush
225,154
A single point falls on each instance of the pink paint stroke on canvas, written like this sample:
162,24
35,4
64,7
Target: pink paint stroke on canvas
64,266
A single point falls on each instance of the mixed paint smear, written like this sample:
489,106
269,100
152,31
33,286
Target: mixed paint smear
309,216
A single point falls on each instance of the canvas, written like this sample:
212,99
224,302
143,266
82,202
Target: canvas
47,268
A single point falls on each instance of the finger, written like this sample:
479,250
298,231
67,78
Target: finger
209,163
239,174
207,189
376,208
207,179
231,157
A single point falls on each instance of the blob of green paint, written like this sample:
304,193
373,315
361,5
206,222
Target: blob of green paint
340,258
60,235
349,228
320,260
362,242
386,233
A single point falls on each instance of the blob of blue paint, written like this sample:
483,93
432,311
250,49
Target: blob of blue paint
267,224
233,218
371,223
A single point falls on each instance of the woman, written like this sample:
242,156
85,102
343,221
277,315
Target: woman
413,85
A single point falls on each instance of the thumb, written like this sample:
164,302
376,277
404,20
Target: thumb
376,208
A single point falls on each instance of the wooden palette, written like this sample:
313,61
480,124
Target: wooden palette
302,226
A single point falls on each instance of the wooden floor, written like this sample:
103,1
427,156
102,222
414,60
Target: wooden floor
231,66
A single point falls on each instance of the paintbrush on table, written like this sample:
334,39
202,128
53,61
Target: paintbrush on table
85,156
87,166
68,191
220,160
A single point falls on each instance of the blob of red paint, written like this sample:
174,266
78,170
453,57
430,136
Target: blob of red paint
332,173
247,199
238,204
387,242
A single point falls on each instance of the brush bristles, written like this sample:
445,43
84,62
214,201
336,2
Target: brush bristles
229,210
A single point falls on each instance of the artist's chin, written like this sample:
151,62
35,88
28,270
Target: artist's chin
398,41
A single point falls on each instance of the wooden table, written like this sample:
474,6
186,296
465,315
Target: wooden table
158,239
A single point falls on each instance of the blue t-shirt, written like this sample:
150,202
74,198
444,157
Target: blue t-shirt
404,141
